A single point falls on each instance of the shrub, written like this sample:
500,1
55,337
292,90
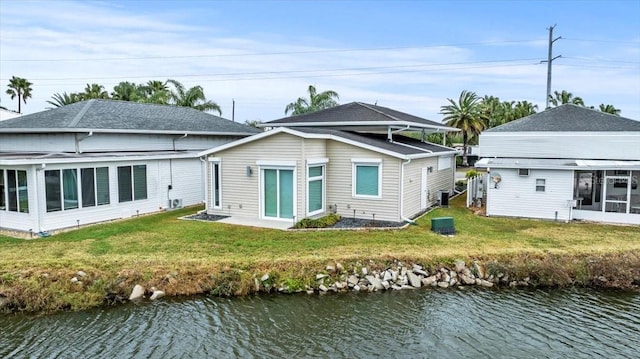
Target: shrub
321,222
471,173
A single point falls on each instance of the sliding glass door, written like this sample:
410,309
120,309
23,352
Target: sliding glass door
278,193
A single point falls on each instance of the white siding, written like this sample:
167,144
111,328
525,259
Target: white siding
187,185
106,142
516,196
437,180
241,193
580,145
339,184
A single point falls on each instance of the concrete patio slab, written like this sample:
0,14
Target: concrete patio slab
261,223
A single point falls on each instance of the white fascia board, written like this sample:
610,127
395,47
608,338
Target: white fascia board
276,163
560,133
317,161
123,131
31,161
432,154
360,123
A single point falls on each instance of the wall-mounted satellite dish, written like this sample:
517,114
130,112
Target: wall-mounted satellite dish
496,178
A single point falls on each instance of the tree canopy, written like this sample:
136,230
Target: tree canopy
20,88
316,102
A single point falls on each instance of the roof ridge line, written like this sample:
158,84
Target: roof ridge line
80,114
380,112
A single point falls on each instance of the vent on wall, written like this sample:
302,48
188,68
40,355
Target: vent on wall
523,172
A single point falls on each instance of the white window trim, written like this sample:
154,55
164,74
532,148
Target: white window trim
317,161
218,162
324,188
544,185
365,162
277,165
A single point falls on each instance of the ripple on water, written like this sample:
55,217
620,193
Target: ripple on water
477,323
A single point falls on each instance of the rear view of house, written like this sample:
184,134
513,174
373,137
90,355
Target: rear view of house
565,163
99,160
350,159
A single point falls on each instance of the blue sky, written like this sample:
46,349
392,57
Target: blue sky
407,55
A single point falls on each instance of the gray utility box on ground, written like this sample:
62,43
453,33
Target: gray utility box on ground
443,225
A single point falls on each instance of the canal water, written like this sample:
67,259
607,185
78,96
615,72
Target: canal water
452,323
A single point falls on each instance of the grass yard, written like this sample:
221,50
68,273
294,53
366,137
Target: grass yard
187,257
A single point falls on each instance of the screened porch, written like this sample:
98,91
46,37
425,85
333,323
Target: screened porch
607,191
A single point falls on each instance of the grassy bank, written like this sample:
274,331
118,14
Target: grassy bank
189,257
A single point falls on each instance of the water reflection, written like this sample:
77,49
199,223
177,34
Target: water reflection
423,323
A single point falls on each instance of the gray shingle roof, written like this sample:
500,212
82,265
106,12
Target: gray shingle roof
569,118
402,144
122,116
354,112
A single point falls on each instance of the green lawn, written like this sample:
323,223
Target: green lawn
151,247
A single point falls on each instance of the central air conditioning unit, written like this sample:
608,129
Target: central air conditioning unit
175,203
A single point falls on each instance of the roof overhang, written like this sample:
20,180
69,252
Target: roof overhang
358,125
324,136
559,164
121,131
18,159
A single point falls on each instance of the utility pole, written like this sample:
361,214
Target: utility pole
233,110
549,60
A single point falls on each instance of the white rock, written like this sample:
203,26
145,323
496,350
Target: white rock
339,267
417,267
137,292
265,277
81,274
414,280
331,268
403,271
385,284
323,288
256,284
321,276
467,280
460,266
396,287
408,287
74,280
479,269
339,285
352,280
394,275
485,283
356,288
421,272
375,282
364,271
310,291
443,284
429,280
453,282
387,276
453,274
157,294
445,278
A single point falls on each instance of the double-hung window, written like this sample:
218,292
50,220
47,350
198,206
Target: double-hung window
367,178
61,189
132,183
541,185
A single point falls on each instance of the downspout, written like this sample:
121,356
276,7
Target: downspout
402,193
203,174
78,140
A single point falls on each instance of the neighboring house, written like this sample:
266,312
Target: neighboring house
349,159
8,114
99,160
565,163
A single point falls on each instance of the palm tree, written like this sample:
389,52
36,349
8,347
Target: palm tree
58,100
21,88
466,115
524,109
316,102
125,91
492,110
193,97
92,91
155,92
564,97
609,109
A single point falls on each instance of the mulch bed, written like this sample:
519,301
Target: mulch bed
365,223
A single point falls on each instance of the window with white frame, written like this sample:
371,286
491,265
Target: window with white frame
540,185
65,191
132,183
444,163
367,178
216,188
14,194
315,189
